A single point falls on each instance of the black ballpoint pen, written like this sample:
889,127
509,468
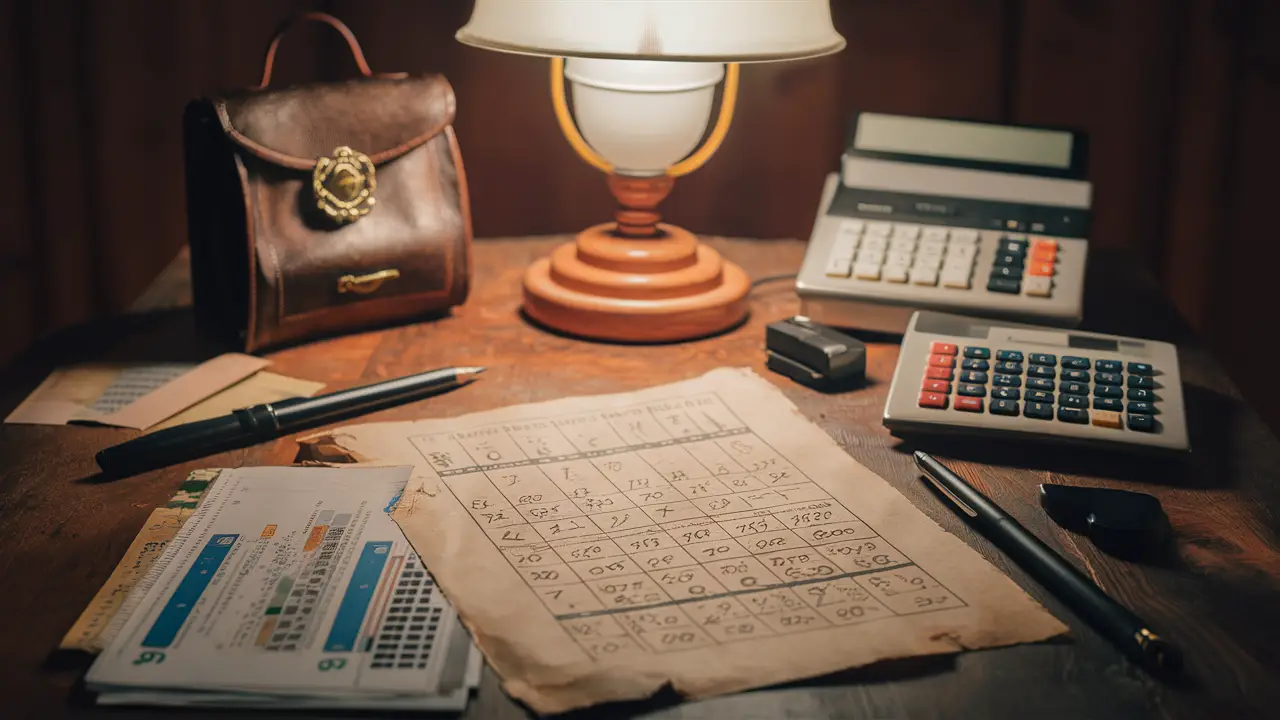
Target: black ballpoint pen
259,423
1111,619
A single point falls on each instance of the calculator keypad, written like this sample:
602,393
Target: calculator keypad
904,253
1024,265
1073,389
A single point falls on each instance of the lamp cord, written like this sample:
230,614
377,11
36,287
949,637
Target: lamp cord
771,278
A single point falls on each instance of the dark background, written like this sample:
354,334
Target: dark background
1181,99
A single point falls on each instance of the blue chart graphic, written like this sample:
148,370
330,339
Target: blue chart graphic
355,602
176,611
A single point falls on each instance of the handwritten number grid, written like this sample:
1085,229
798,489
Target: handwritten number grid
671,526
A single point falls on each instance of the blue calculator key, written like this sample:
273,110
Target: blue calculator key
1038,410
1012,247
1075,363
980,353
1039,384
1075,388
1141,381
1009,355
1108,378
1107,391
1040,396
1006,381
1073,401
1043,359
971,390
1041,371
974,364
1072,415
1004,407
1141,423
1141,369
1004,259
1140,394
1004,285
973,376
1012,368
1006,393
1141,408
1112,404
1111,366
1076,375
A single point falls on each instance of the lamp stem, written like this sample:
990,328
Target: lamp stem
567,125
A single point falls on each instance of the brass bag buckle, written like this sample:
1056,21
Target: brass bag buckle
343,185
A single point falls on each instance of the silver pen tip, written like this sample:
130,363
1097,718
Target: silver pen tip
465,372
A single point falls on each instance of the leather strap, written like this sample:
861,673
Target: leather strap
325,18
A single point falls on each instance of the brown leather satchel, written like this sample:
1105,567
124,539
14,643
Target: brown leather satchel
327,207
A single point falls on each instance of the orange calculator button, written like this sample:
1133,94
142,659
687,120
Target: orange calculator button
943,361
939,373
1106,419
941,348
1044,253
969,404
933,400
1040,269
936,386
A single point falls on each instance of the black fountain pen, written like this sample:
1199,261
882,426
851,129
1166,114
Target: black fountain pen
1111,619
270,420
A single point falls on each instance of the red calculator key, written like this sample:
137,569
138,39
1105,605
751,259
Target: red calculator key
936,386
1040,269
941,348
969,404
939,373
942,361
933,400
1044,253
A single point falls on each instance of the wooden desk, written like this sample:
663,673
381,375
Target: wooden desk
61,531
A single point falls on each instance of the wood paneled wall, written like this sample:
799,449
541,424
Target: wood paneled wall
1180,97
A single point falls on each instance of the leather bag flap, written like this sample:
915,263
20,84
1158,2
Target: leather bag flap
380,117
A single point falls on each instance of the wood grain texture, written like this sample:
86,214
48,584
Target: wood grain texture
1215,595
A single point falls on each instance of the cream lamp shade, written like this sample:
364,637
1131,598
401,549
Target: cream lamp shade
692,30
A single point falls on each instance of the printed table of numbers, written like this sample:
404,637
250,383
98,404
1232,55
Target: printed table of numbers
671,525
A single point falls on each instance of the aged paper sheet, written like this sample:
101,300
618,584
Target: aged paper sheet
701,534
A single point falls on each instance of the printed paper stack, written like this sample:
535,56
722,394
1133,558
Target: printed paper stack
290,587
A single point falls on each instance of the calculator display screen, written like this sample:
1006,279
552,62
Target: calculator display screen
959,140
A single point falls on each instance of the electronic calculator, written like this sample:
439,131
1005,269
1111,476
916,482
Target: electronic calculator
969,375
975,218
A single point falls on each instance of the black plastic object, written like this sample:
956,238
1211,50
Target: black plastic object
815,355
1120,522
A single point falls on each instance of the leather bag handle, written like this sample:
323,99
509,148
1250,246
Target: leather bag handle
327,19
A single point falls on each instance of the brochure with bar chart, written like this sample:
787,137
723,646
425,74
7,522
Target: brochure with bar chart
290,586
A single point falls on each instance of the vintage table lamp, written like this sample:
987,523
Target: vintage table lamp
643,76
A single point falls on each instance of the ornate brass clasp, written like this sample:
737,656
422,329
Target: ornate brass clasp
365,284
344,185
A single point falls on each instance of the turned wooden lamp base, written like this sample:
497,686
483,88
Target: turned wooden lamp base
636,280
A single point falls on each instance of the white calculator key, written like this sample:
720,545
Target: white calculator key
955,279
851,226
923,276
907,232
895,273
964,253
901,245
867,271
1038,286
932,246
957,266
966,236
936,234
844,246
898,258
875,242
869,257
838,266
879,229
933,262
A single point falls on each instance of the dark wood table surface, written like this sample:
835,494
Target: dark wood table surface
1217,594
